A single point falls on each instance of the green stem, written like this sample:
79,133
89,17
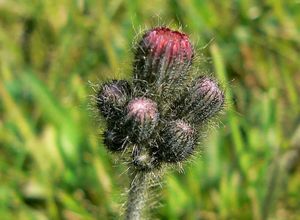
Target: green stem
137,195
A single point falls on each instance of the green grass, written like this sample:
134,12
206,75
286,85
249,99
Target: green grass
53,164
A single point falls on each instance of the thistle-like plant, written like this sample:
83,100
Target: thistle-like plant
154,120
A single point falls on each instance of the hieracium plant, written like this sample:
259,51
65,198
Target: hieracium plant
155,119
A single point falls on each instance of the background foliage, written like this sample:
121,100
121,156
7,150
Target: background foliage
52,161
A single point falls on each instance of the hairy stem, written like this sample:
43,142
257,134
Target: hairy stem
137,195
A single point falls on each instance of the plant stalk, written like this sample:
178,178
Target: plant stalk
137,195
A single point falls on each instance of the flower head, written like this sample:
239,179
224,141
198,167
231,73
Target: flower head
177,142
157,117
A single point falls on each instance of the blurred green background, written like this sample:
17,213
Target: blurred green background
53,164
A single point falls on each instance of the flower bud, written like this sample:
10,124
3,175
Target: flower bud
177,142
162,56
202,101
142,117
112,97
114,140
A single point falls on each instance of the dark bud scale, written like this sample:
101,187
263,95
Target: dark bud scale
157,117
114,140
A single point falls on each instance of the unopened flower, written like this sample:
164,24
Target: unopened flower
141,117
112,97
162,55
176,143
202,101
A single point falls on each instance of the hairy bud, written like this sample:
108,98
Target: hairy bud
112,97
142,116
202,101
114,140
177,142
163,55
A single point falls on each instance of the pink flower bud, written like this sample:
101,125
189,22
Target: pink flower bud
142,116
162,55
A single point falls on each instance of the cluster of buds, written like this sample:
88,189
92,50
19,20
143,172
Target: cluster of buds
157,116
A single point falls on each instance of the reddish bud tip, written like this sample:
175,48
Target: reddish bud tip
172,45
162,55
